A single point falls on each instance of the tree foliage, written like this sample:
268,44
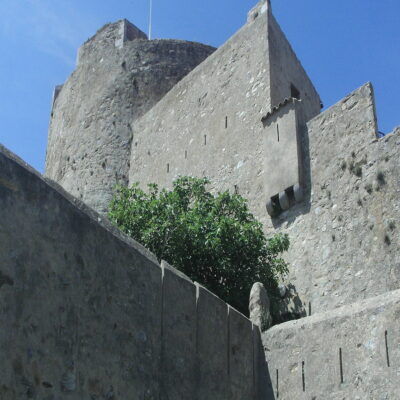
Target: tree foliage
214,240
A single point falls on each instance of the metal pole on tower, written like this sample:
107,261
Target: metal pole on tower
150,18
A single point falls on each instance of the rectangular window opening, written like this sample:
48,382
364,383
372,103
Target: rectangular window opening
236,189
303,376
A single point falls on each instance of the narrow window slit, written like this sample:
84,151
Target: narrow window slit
303,376
309,308
277,384
387,349
277,131
226,122
167,167
341,365
185,154
236,189
205,140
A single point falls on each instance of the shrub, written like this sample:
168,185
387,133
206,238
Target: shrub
214,240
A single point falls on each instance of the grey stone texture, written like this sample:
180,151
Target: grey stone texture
284,128
212,316
210,123
259,307
345,235
129,113
350,353
120,75
89,314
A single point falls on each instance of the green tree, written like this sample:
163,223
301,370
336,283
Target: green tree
214,240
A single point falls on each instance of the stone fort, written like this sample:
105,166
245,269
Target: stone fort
91,314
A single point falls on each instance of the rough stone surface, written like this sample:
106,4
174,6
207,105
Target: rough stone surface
212,316
259,307
210,124
90,314
241,356
349,353
93,117
337,185
282,137
345,235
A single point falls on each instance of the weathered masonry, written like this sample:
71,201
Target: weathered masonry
109,125
248,117
119,76
90,314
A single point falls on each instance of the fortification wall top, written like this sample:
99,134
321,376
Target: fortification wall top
91,314
344,236
351,352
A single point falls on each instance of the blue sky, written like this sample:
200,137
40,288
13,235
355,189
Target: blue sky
342,44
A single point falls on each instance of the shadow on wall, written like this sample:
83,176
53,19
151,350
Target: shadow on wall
264,386
290,307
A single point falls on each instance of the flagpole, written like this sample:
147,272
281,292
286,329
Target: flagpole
150,18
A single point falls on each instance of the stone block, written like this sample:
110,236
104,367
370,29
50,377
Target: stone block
212,349
81,302
241,356
178,361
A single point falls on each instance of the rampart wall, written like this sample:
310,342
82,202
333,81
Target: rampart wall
345,235
349,353
88,313
120,75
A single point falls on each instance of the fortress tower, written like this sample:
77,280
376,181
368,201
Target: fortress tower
107,127
92,314
119,76
247,117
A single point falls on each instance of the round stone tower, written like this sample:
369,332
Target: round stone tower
120,75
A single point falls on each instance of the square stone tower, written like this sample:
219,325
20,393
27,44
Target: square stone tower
220,121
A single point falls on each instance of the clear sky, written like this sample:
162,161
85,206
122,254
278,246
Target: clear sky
342,44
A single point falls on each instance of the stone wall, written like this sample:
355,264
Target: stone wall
345,235
352,353
210,123
90,314
120,75
288,75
